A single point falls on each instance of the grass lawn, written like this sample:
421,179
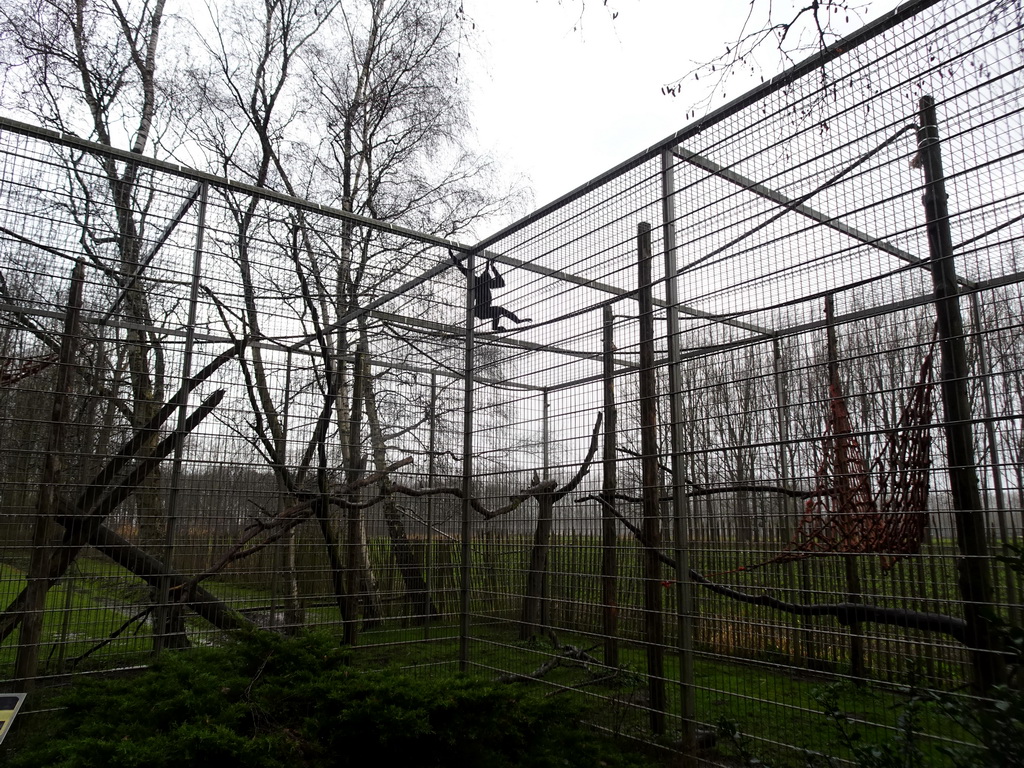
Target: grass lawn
778,711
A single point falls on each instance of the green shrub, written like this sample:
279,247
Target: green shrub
265,701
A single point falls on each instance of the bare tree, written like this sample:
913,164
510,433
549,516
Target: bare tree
90,67
247,108
396,123
378,82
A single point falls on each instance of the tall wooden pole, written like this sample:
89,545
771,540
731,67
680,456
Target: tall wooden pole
853,586
654,622
27,660
609,539
968,513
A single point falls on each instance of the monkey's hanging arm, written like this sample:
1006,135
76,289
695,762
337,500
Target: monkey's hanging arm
498,281
457,263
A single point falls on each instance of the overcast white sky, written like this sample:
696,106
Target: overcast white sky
560,105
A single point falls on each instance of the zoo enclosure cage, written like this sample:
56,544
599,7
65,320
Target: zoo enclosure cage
774,426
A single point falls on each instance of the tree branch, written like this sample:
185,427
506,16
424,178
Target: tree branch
101,496
585,467
845,613
284,521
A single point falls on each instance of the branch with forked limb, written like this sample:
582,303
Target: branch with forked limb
83,519
284,521
845,613
539,488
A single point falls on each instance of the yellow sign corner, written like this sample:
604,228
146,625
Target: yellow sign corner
10,703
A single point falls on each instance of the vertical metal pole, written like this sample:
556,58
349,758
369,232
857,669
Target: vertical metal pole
428,556
993,452
467,466
164,616
968,514
782,420
685,614
654,621
802,641
609,538
545,586
281,561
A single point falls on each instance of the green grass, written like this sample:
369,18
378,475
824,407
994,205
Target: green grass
80,612
779,712
107,595
782,715
782,712
94,600
762,694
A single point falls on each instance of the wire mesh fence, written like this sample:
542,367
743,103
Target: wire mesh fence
730,443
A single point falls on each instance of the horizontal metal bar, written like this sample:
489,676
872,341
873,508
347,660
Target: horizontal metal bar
813,62
91,147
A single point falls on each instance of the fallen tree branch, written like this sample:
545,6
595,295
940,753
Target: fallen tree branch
96,502
141,615
845,613
153,571
283,522
568,653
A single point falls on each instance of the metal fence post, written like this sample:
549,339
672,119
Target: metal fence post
467,467
164,616
546,433
685,616
994,458
654,622
428,554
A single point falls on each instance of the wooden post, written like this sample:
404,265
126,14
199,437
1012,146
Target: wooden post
535,618
968,513
853,586
654,622
27,660
609,538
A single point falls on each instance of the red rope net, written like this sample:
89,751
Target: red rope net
844,514
14,369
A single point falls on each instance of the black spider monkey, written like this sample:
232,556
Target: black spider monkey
483,302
